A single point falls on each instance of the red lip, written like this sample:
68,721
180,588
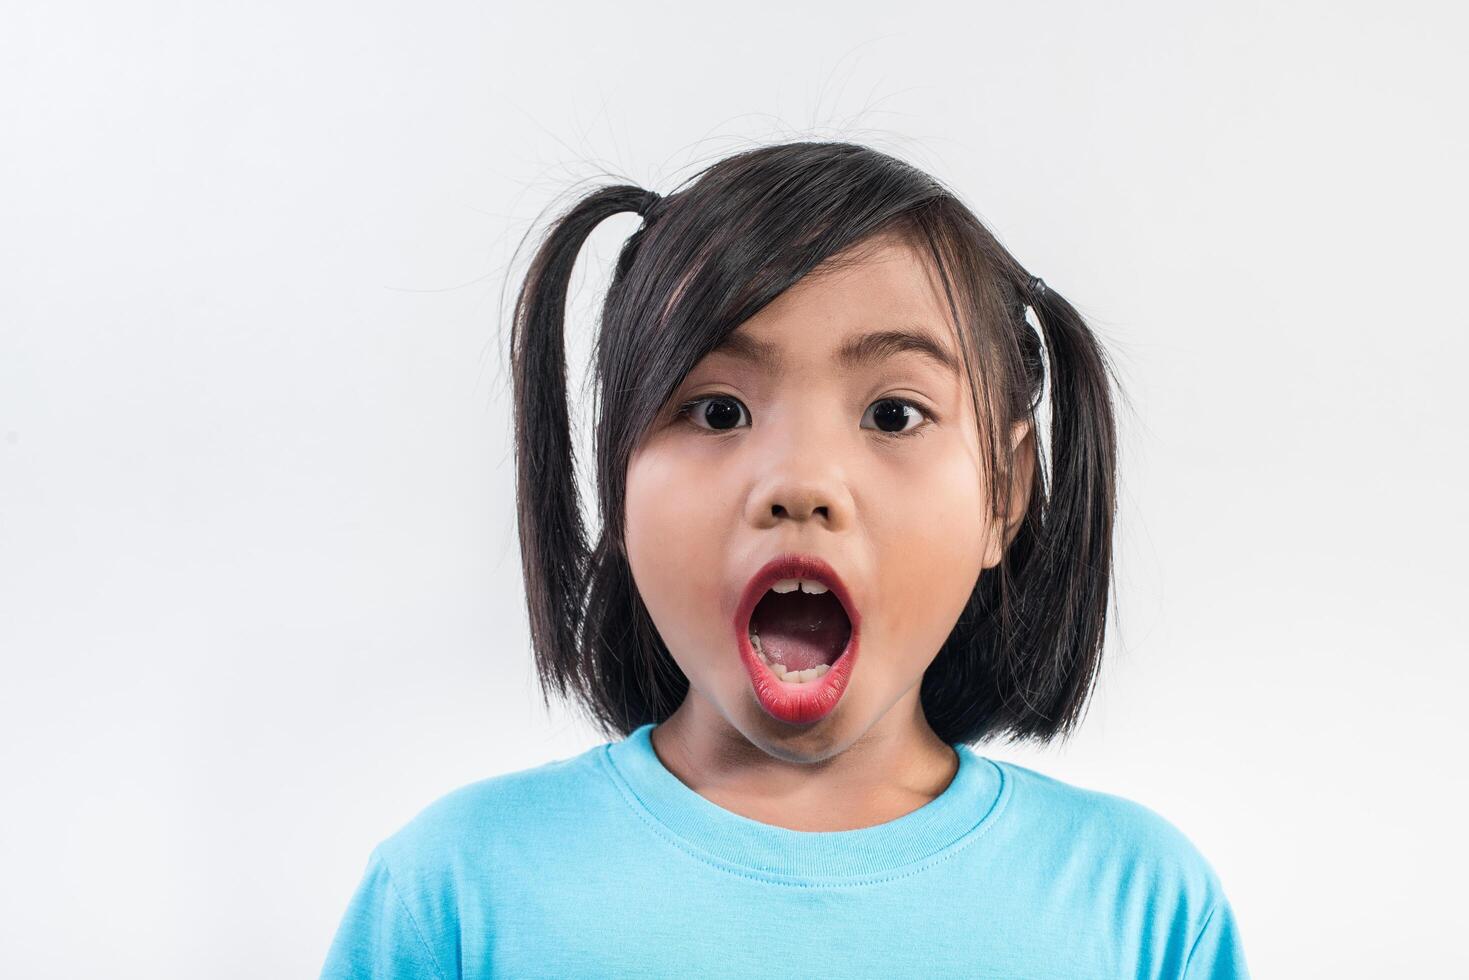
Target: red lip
796,703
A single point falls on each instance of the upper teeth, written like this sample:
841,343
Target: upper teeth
804,584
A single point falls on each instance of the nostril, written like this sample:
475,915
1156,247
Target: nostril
779,510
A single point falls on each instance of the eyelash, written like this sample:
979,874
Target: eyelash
685,409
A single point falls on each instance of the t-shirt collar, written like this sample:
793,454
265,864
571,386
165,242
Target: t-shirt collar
972,801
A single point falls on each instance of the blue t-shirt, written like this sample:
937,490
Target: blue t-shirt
606,865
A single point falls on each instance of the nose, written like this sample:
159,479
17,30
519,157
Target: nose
802,479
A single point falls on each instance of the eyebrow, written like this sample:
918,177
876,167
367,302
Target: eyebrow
867,348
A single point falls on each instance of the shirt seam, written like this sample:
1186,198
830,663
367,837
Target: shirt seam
393,887
1208,917
980,827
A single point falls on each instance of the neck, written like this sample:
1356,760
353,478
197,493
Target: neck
810,783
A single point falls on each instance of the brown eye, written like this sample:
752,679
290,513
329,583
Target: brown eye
893,416
720,412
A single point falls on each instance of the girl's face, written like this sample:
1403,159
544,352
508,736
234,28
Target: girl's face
802,451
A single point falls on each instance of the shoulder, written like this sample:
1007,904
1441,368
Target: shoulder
1123,860
474,824
1128,835
404,916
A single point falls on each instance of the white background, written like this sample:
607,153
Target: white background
260,594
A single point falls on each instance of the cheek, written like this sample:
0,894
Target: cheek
931,549
675,548
656,508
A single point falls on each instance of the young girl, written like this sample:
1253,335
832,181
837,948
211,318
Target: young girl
831,561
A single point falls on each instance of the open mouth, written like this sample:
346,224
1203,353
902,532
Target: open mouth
799,628
798,632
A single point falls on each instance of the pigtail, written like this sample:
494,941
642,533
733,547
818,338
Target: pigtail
553,540
1054,586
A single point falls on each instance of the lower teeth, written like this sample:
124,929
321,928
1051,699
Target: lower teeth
779,670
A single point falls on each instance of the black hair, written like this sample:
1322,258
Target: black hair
1023,657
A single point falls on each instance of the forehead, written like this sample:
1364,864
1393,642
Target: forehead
862,307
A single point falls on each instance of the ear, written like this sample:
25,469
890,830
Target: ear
1022,480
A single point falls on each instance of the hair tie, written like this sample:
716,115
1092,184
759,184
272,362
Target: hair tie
1037,287
650,198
